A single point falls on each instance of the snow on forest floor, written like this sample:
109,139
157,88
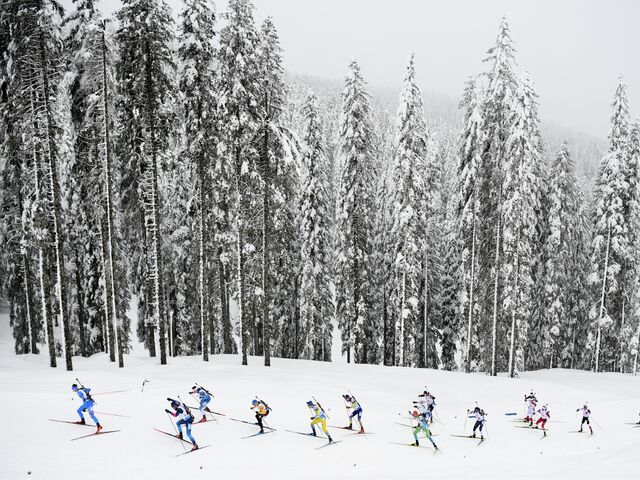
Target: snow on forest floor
31,393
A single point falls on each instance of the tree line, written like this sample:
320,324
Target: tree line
165,179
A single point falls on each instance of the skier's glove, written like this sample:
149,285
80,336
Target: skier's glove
167,410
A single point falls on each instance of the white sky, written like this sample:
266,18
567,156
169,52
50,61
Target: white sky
574,49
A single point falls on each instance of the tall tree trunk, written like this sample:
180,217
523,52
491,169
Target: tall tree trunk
204,325
109,268
46,309
402,307
28,301
494,327
153,216
106,297
425,316
266,323
602,299
55,202
512,343
472,282
240,256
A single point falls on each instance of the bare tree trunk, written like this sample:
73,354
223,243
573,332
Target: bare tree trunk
28,300
110,214
266,323
494,328
55,202
471,286
402,306
602,298
204,325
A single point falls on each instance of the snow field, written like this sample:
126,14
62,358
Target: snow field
31,393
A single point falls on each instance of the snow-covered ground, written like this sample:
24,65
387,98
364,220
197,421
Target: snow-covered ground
31,393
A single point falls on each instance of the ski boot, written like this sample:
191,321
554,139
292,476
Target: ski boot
204,419
99,427
474,435
195,447
580,430
180,435
350,427
361,429
416,444
81,422
330,439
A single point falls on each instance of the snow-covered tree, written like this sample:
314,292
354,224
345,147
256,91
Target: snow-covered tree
316,309
196,57
521,208
145,73
354,218
239,114
610,246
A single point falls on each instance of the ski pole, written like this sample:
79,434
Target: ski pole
176,430
321,408
594,421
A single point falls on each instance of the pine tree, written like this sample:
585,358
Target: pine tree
38,52
610,247
499,98
562,269
196,54
521,205
315,295
354,217
239,112
469,174
410,216
144,73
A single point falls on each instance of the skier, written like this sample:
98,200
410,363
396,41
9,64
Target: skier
87,405
545,415
425,405
185,418
205,397
356,411
262,410
531,396
531,409
422,426
318,418
586,413
479,415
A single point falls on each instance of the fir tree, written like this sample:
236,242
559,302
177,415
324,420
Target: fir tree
239,109
144,73
315,295
354,218
610,246
196,54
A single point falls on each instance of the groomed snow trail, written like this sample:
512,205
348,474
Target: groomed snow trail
31,393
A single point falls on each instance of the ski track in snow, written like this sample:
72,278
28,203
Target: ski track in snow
31,393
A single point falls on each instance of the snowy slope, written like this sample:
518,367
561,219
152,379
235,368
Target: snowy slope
31,393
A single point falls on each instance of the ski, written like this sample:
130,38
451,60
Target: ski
359,433
72,423
103,432
173,435
306,434
250,423
208,411
109,393
435,450
467,436
343,428
481,442
256,434
524,426
328,443
112,414
193,450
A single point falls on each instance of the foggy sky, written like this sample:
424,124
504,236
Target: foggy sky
574,50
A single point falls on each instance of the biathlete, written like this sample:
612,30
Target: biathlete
422,426
532,402
185,418
479,415
586,413
318,418
354,410
262,410
87,405
204,397
545,415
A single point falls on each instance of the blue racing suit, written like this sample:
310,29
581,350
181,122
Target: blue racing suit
87,404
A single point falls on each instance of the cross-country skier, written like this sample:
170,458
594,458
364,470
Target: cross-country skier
262,410
204,397
87,405
356,411
586,413
185,418
530,396
318,418
545,415
532,403
479,415
422,426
